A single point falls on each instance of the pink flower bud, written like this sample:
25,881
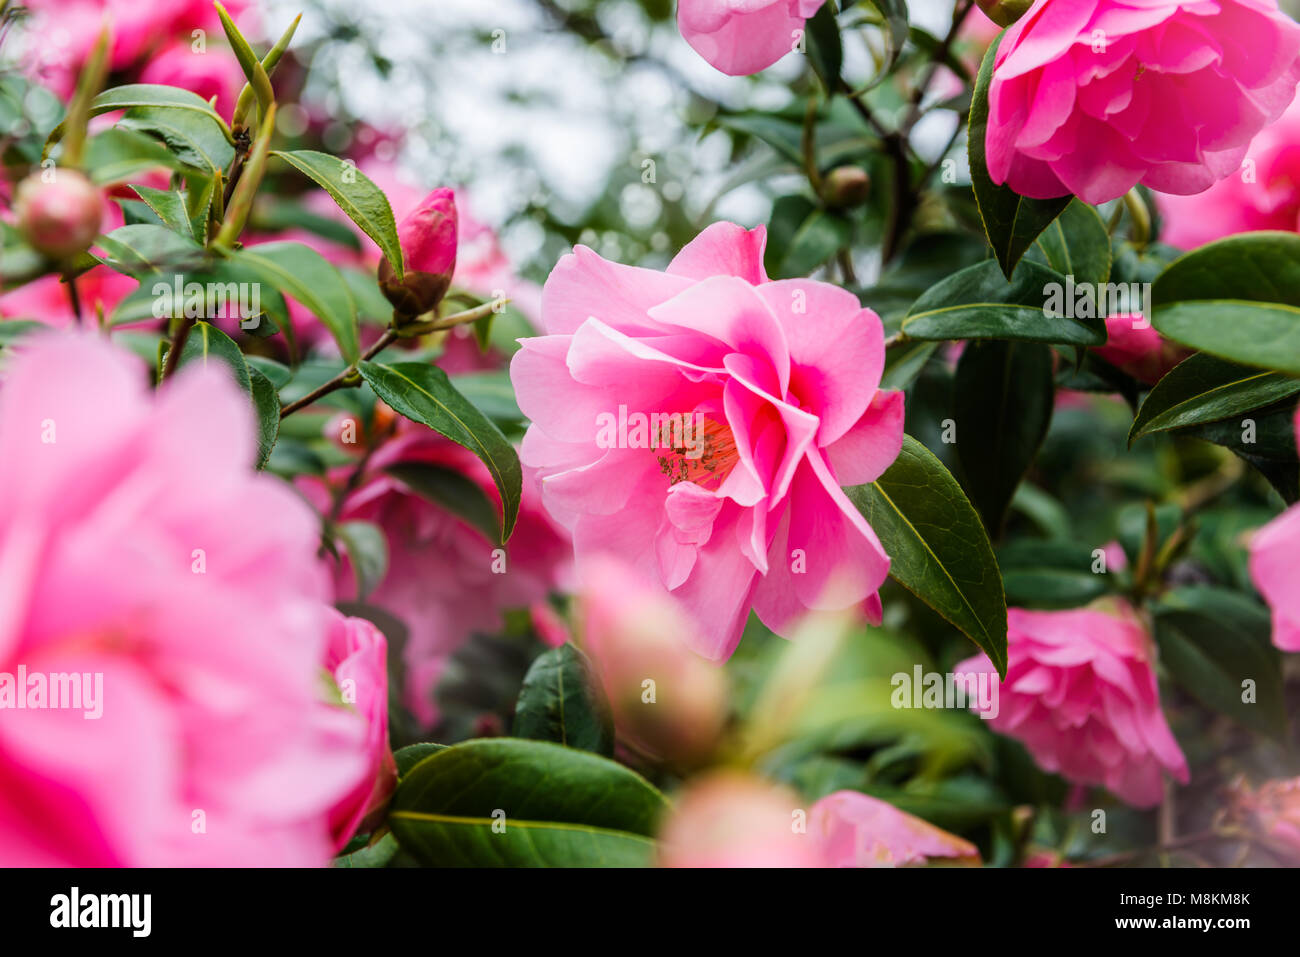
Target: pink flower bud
59,212
428,238
1134,346
667,701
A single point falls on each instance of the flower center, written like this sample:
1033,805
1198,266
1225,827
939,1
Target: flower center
696,449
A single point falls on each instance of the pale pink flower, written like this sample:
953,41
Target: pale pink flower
1274,551
203,613
1092,97
857,830
1263,194
357,658
1134,346
446,580
740,37
731,819
634,634
1081,695
777,384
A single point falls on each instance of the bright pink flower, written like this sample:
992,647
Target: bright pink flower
740,37
1134,346
730,819
765,401
212,72
857,830
357,657
1263,194
635,634
204,616
1092,97
446,580
1276,571
1081,695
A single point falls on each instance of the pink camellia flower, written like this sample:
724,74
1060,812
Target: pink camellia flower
731,819
1092,97
1081,695
1263,194
438,560
185,635
634,634
208,73
857,830
1276,573
1134,346
357,658
698,424
740,37
428,238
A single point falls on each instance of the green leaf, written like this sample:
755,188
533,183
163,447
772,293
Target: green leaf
191,136
825,51
367,550
1002,400
937,546
562,701
363,202
1265,335
1050,574
1204,389
802,237
206,343
266,403
170,207
1259,267
423,393
1011,222
119,154
1211,641
454,491
376,855
308,277
1265,439
145,248
1077,244
979,303
551,806
408,757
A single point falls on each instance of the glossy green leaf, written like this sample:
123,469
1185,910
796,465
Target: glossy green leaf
562,701
206,344
308,277
363,202
191,136
825,51
453,491
1002,404
938,547
1204,389
1077,244
266,403
511,802
146,248
980,303
1264,335
170,207
423,393
1011,222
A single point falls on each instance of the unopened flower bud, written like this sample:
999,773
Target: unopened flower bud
59,212
1005,12
846,186
428,238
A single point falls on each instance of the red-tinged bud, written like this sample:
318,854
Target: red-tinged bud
1005,12
846,186
428,238
59,212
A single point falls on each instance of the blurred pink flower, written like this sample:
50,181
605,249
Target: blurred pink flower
1134,346
1264,193
777,384
357,657
46,299
634,634
204,616
740,37
1081,695
857,830
1274,551
1272,811
1092,97
212,72
730,819
446,580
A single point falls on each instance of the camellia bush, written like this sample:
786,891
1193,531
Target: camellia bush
939,510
